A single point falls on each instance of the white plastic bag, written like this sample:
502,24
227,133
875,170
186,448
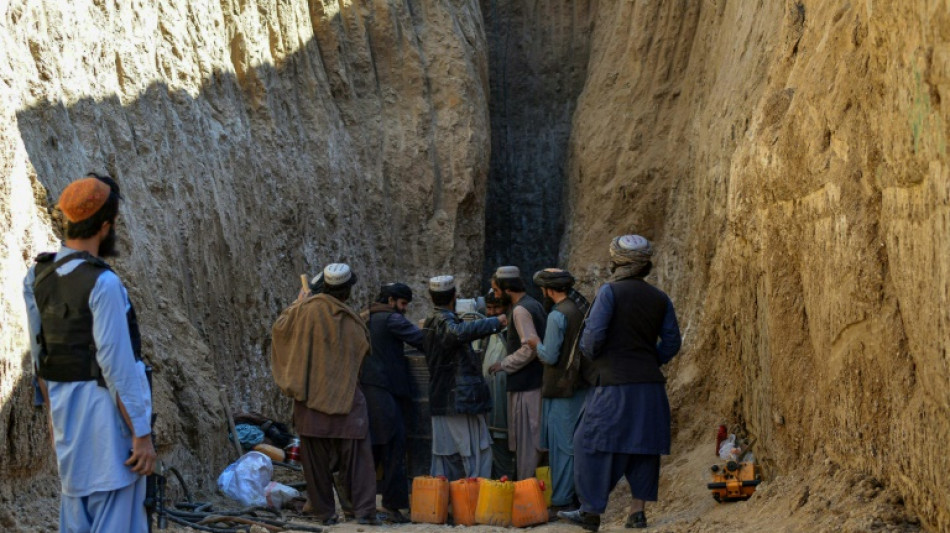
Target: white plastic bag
728,450
277,494
246,479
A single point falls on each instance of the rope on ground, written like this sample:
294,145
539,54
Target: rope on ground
186,523
214,519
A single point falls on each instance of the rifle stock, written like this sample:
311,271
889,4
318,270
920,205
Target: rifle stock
154,482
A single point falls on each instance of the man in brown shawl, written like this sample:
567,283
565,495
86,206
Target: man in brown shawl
319,344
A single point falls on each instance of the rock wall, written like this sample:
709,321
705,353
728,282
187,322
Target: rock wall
790,161
538,53
253,140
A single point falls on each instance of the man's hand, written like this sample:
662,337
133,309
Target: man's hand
142,460
303,295
494,369
503,320
533,342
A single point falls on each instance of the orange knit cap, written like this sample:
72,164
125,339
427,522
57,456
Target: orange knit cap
82,198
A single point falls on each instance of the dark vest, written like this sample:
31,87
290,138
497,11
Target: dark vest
67,345
560,380
531,375
629,353
386,365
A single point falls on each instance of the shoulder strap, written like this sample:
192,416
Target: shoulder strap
577,340
48,269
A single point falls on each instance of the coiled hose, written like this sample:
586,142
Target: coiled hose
199,515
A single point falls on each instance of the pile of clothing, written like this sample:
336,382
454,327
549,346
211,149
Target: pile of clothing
254,428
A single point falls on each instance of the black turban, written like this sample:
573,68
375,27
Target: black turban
553,278
397,291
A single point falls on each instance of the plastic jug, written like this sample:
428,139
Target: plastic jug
543,473
494,503
528,507
429,501
464,495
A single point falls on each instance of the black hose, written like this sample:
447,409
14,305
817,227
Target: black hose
188,512
186,523
181,482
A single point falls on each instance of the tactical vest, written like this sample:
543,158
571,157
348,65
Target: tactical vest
562,379
67,345
531,375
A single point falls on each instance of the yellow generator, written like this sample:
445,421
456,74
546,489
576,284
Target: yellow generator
734,481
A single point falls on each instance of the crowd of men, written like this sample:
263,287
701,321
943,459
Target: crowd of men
562,380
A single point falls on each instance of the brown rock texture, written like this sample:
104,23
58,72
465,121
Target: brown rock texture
253,140
790,161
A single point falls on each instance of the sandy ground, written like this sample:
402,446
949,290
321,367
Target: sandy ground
832,499
839,501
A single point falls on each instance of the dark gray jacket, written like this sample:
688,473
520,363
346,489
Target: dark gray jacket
456,385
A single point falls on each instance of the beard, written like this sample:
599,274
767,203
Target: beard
505,299
107,248
548,304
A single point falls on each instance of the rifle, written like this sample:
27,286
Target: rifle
155,482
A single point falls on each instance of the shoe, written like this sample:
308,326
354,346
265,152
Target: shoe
588,521
395,516
637,520
371,520
331,521
555,509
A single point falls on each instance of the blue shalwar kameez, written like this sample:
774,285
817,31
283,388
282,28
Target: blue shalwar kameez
623,428
92,441
559,417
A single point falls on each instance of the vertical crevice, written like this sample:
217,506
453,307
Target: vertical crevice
537,64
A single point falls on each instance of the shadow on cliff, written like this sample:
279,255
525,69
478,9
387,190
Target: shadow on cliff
231,189
193,257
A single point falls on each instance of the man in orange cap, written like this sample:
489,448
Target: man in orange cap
86,351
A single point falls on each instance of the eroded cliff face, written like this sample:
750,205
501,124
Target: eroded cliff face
253,141
790,161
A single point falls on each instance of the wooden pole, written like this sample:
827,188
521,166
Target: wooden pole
227,414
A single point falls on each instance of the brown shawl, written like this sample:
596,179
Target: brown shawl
318,346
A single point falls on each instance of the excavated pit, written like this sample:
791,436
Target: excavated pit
788,159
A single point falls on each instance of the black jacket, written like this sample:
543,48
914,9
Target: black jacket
386,365
456,384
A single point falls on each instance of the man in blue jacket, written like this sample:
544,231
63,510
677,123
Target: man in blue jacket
85,344
459,396
385,382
